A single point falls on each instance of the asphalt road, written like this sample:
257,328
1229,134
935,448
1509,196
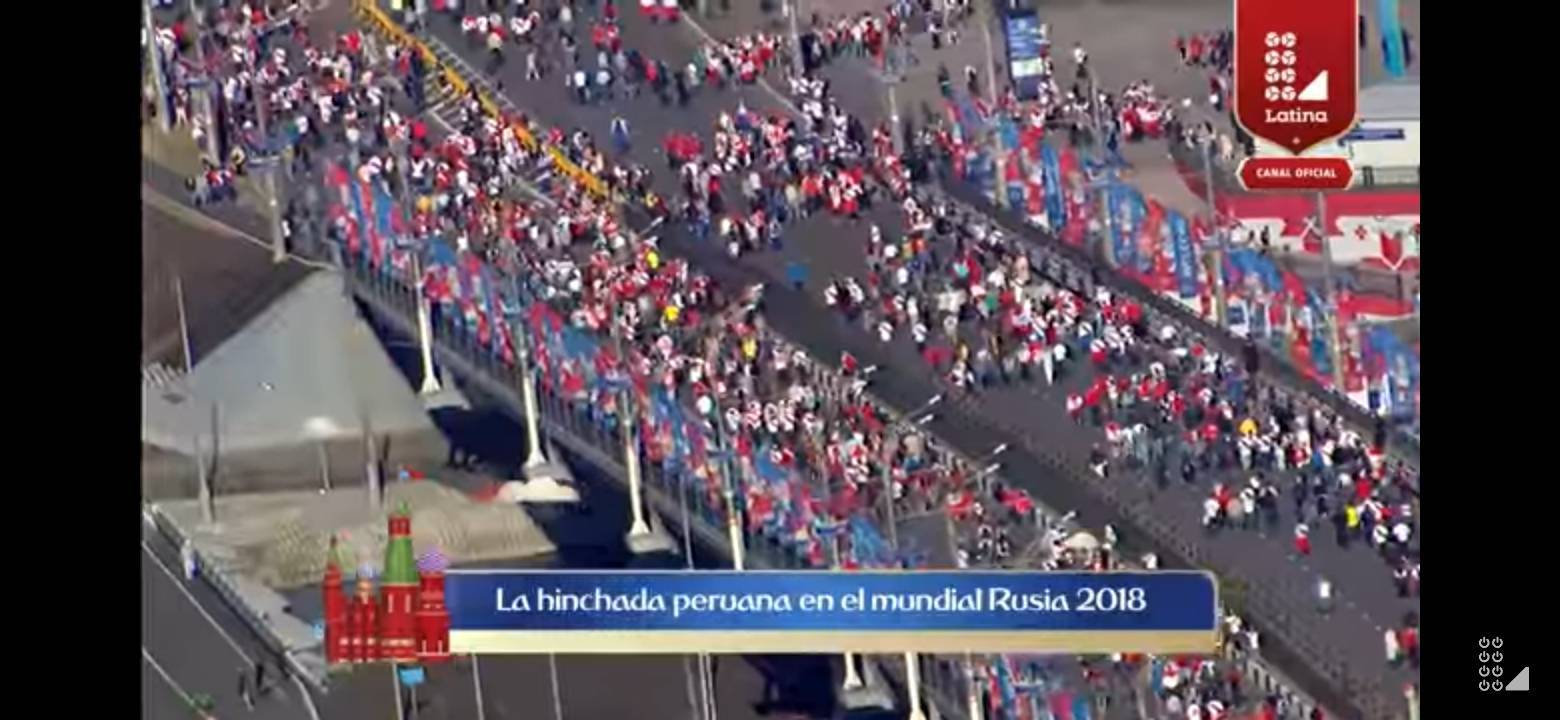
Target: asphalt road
192,644
1349,640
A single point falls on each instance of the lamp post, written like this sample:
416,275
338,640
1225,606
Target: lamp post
991,88
207,101
430,380
972,692
913,685
1334,318
272,196
533,431
918,417
159,81
793,9
1220,239
636,506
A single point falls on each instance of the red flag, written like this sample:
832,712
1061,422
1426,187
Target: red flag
1014,172
1392,250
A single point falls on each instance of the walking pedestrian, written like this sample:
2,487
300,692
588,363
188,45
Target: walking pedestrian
620,135
190,560
260,687
1324,596
244,692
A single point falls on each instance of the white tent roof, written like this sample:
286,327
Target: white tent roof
305,369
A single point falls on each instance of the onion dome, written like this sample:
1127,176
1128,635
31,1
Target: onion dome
433,561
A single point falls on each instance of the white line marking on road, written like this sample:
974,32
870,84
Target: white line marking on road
147,656
191,597
308,700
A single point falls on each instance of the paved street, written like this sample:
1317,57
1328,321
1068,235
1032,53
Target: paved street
188,634
1350,638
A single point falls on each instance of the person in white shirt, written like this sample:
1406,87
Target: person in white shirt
190,560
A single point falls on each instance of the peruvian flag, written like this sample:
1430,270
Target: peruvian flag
1030,139
1075,194
1034,196
1151,246
376,242
1077,219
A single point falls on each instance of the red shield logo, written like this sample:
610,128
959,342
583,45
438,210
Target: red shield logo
1297,69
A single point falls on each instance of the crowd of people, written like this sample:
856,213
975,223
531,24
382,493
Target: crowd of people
965,294
1213,50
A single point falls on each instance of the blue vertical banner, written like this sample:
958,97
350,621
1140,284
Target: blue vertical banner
1115,200
1008,131
1134,210
1392,50
1185,255
1051,170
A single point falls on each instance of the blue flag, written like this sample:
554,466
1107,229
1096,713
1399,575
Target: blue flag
1185,255
1394,55
1051,171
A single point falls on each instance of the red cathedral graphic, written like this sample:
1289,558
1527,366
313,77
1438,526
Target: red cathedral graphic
406,623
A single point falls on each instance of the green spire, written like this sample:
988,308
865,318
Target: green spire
400,563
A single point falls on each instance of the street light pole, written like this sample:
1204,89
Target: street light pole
557,693
1097,140
991,88
972,693
159,81
636,505
430,380
893,119
1220,238
852,677
395,675
184,326
273,205
533,431
371,468
913,685
476,685
208,93
1335,333
798,64
889,436
208,506
733,515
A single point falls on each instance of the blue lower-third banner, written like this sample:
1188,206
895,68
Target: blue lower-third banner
816,611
